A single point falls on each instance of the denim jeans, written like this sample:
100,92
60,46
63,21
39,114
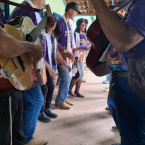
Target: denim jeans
64,83
130,112
111,104
32,103
17,107
59,79
80,68
108,77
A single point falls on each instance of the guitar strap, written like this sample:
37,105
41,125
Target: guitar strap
20,5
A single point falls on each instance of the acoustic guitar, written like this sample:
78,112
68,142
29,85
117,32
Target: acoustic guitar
19,70
99,44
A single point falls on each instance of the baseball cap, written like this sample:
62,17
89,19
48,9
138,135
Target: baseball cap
73,5
121,3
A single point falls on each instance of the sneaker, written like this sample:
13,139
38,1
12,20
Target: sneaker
37,142
106,89
42,117
50,114
83,80
107,108
63,105
69,103
115,128
106,82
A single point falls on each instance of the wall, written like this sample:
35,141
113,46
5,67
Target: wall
56,5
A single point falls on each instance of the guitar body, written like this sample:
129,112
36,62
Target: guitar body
16,77
99,44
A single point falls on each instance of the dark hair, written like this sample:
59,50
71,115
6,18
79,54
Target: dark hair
86,21
66,9
57,32
78,23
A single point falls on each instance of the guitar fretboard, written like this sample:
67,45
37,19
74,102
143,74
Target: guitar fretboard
32,37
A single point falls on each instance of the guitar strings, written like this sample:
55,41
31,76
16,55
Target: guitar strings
33,34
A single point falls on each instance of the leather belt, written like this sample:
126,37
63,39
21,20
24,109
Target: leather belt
120,73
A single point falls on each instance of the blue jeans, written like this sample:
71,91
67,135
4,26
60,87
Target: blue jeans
108,77
32,102
59,79
64,83
130,112
111,104
80,67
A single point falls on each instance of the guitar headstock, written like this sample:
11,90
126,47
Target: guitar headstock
48,9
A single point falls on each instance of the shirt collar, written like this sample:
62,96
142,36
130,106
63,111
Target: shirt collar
30,2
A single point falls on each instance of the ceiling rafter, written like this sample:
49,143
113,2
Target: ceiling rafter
86,7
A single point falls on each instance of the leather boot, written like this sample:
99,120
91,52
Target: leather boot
78,85
73,82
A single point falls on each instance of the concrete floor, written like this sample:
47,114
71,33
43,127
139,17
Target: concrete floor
86,123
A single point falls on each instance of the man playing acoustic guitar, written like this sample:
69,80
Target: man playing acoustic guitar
11,101
33,98
126,35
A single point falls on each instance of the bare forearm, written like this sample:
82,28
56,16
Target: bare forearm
122,37
60,47
81,48
47,65
10,47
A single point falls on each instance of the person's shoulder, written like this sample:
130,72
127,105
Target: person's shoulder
60,20
21,11
61,23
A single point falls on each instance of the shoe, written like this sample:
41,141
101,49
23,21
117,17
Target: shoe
37,142
71,93
50,114
63,105
69,103
42,117
83,80
116,144
106,89
77,90
107,108
72,84
115,128
106,82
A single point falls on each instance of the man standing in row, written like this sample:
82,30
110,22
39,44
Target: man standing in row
68,44
33,98
125,36
9,48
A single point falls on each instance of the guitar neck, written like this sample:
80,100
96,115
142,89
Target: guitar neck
34,34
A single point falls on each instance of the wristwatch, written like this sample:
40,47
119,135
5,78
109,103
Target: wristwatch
65,51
